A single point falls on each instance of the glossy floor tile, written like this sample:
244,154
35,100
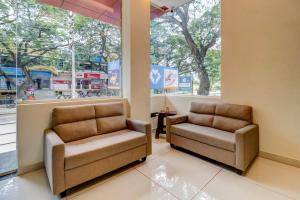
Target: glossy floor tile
180,174
31,186
126,186
230,186
279,177
169,174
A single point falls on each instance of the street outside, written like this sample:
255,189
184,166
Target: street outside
7,140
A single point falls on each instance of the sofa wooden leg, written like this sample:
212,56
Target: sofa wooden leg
144,159
63,194
239,172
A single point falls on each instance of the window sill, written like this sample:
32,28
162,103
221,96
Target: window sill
32,102
194,96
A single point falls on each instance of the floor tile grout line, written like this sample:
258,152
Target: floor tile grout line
203,187
155,157
158,184
100,183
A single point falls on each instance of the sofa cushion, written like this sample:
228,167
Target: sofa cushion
203,108
200,119
228,124
111,124
109,109
68,114
76,130
241,112
207,135
91,149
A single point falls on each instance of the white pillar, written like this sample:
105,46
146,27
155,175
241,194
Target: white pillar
136,57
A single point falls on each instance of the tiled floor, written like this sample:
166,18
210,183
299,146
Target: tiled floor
170,174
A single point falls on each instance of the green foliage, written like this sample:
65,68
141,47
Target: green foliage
33,34
171,45
45,35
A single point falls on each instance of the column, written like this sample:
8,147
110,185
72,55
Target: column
136,57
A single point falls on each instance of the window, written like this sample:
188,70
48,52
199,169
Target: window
51,53
186,50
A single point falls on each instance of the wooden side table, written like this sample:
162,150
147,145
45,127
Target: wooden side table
160,122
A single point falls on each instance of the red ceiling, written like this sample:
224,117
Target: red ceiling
108,11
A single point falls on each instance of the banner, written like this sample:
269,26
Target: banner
170,78
40,74
157,77
185,83
12,71
114,75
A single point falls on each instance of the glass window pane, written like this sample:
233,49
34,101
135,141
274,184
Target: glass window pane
186,50
61,50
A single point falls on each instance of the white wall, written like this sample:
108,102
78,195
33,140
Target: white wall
261,68
32,120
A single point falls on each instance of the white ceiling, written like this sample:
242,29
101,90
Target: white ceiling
169,3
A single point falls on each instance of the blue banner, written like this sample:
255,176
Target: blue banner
40,74
157,77
11,71
96,59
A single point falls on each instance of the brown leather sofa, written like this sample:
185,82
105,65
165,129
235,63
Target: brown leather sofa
91,140
223,132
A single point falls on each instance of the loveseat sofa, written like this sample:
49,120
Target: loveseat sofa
90,140
223,132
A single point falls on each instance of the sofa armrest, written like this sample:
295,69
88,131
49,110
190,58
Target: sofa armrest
54,152
142,127
177,119
247,145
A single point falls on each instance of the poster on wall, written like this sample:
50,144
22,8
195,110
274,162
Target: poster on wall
170,78
185,83
157,77
114,75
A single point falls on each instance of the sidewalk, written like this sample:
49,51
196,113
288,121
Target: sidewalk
8,159
4,110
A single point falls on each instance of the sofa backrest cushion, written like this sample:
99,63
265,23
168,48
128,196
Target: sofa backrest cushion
76,130
228,124
68,114
241,112
110,117
74,122
223,116
203,108
200,119
111,124
109,109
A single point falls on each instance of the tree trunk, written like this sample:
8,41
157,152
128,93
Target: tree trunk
204,83
199,56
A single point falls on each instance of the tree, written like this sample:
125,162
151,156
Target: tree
33,33
198,23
